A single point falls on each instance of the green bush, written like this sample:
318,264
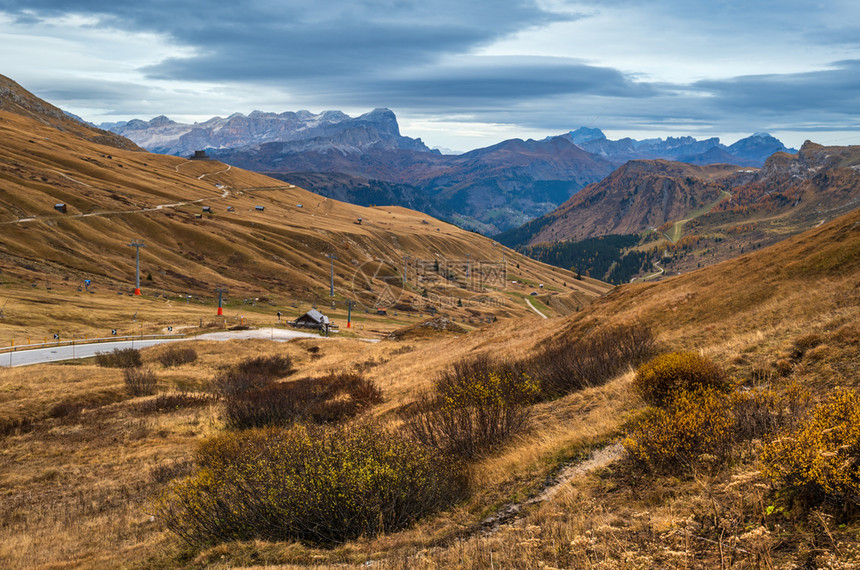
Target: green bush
661,378
819,461
119,358
475,406
316,485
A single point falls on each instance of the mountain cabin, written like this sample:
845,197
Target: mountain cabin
313,319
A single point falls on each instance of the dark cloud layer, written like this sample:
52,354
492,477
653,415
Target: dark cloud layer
834,90
420,57
260,39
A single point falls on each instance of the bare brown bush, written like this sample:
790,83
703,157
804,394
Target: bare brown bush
566,366
175,356
119,358
475,406
331,398
140,381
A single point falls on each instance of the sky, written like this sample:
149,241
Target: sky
458,74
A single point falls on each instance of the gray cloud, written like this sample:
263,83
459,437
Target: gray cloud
833,91
256,39
421,58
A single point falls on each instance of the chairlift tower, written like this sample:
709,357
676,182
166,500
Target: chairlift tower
220,291
331,257
136,243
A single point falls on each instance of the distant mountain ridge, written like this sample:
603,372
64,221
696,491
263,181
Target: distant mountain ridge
365,160
639,195
488,190
749,151
378,128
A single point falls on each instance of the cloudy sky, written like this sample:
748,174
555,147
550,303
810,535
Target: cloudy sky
459,74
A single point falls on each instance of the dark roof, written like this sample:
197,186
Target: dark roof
315,316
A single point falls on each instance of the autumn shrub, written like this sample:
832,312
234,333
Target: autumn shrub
474,407
707,425
819,461
231,381
252,374
564,366
331,398
322,486
762,411
175,356
119,358
140,381
661,378
675,437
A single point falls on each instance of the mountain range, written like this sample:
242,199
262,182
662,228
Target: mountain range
749,151
366,161
685,216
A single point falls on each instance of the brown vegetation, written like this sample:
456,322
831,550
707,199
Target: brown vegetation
119,358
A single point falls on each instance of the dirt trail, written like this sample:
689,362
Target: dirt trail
598,458
533,308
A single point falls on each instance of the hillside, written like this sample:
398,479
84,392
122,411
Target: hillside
262,240
640,195
681,217
16,99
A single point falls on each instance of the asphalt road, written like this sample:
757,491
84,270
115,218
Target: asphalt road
53,354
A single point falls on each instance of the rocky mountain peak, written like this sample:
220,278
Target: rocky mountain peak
161,121
585,134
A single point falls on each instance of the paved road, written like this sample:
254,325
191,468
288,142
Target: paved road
57,353
42,355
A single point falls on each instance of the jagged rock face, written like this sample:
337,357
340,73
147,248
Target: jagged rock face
378,127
